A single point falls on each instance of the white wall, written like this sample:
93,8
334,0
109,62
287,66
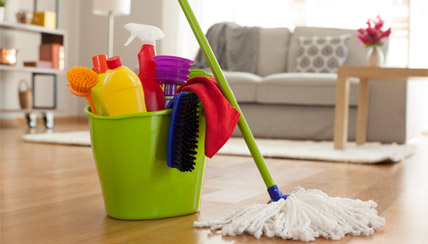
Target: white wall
418,90
179,39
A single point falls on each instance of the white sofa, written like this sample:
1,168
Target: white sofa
281,103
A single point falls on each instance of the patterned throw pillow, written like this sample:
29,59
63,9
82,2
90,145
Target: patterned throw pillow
321,54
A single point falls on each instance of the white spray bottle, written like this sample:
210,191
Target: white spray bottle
153,93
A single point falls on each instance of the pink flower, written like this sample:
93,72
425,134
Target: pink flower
378,22
386,33
377,39
373,34
364,39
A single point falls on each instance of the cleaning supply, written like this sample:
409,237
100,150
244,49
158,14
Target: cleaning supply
183,132
100,66
129,153
172,72
153,93
122,91
221,116
198,72
82,80
302,214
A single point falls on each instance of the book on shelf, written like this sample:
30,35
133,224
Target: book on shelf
39,64
53,52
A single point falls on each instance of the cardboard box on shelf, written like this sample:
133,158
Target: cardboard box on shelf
46,19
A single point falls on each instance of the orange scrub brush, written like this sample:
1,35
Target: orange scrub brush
82,80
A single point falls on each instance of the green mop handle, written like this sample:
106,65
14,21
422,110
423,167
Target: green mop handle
227,92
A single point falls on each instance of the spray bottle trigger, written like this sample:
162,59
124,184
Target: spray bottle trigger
131,37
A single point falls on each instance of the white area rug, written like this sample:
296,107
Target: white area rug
372,152
77,138
369,153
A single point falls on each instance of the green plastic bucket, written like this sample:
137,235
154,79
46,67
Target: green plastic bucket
130,155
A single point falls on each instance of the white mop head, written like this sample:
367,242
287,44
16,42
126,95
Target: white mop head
304,215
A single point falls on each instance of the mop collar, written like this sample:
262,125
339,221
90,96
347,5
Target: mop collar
275,194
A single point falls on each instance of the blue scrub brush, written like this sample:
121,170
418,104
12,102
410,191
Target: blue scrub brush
183,131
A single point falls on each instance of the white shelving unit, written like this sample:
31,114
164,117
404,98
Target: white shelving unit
47,36
30,69
32,28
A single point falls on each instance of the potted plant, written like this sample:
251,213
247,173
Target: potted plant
372,38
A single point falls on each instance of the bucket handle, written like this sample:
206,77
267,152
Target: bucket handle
26,84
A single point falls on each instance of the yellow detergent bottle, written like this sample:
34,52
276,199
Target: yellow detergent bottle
122,91
100,66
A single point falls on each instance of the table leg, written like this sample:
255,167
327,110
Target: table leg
362,111
341,112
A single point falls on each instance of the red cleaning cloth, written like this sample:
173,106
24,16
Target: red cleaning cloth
221,116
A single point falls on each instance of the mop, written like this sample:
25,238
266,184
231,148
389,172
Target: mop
300,215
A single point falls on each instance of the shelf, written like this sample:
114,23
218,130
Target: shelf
29,110
31,69
32,28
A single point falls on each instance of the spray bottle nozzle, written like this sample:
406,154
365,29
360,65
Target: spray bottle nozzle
147,33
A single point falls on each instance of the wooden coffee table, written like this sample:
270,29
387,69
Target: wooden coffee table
342,97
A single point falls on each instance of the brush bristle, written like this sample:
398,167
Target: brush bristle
82,79
186,132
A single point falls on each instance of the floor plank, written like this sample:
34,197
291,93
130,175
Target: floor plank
51,194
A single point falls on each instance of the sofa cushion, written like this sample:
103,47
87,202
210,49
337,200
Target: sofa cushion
302,89
243,85
322,54
273,51
357,53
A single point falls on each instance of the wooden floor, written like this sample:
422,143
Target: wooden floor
51,194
